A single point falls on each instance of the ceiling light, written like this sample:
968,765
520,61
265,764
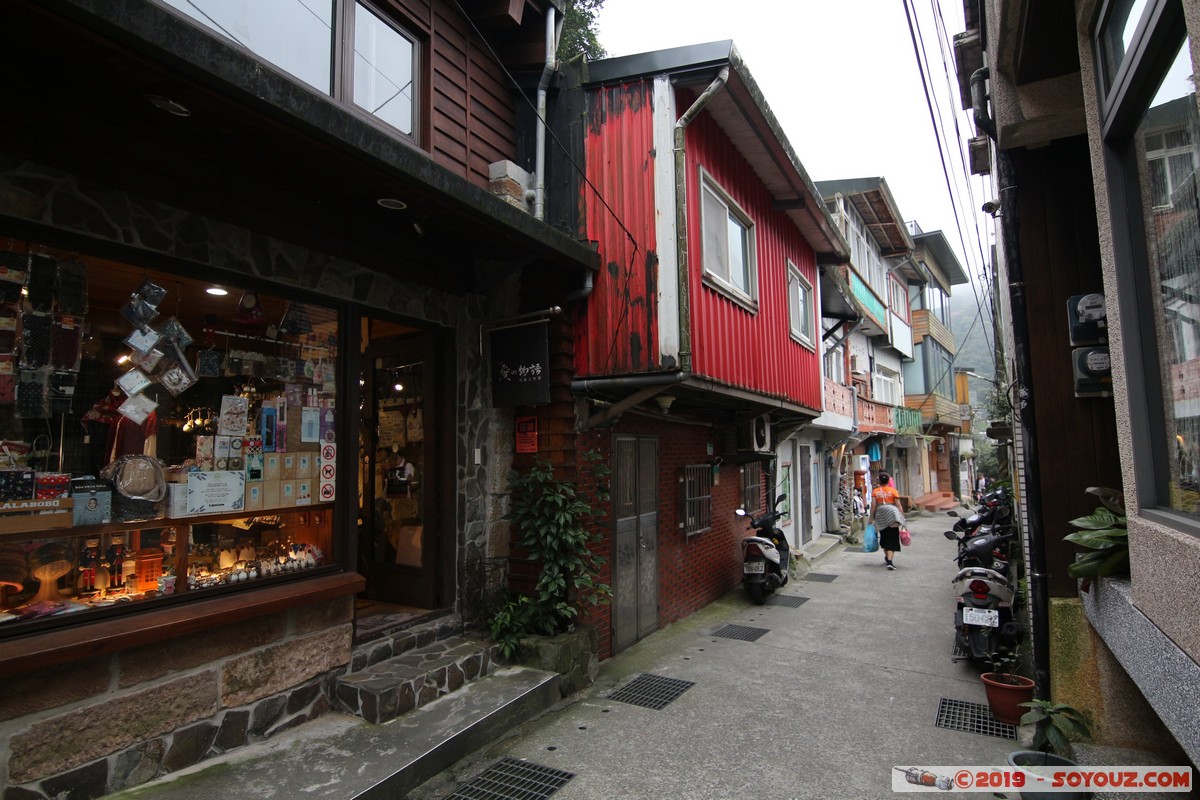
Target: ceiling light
122,359
216,291
392,203
168,105
399,387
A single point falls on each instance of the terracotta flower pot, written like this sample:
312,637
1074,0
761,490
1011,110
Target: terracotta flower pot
1005,693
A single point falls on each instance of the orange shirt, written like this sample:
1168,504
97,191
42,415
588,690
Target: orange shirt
885,495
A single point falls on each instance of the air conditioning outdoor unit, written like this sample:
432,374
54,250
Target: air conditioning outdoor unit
757,436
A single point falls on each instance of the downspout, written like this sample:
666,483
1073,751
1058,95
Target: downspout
539,191
979,103
681,227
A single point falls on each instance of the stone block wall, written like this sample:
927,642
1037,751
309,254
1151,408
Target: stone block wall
95,727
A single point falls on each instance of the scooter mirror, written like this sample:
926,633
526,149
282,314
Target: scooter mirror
780,499
950,535
741,512
952,513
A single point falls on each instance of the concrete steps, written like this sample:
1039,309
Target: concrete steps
394,686
340,756
936,501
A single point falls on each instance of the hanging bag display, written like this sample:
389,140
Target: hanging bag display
870,539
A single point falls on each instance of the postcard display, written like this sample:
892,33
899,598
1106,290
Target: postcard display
139,461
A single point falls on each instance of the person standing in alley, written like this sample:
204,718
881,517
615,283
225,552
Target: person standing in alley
887,517
981,488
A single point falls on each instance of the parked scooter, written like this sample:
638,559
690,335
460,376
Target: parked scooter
995,509
765,555
985,628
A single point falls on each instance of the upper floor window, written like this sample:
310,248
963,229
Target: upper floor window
800,305
885,386
864,252
936,304
728,242
304,40
899,298
835,365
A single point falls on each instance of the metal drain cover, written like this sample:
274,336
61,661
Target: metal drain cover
513,779
959,715
820,577
789,600
651,691
855,549
743,633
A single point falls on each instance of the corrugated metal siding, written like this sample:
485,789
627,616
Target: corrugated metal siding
730,344
618,333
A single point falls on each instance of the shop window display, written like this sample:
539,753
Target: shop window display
160,436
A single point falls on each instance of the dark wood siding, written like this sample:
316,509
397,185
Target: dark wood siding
1076,437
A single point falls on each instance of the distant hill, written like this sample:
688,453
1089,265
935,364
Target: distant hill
973,334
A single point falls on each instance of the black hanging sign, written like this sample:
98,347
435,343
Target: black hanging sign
520,365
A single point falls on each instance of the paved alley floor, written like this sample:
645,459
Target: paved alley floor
838,691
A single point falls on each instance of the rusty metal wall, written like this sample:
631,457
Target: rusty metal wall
617,333
730,344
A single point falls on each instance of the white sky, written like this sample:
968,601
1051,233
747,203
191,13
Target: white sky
842,78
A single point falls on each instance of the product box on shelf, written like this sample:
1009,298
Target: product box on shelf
16,484
177,497
26,516
93,501
287,467
254,496
204,452
271,466
49,485
304,492
304,465
271,493
287,494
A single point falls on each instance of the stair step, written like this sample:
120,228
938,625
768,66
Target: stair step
392,687
340,757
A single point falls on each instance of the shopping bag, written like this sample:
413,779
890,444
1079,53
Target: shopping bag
870,539
905,537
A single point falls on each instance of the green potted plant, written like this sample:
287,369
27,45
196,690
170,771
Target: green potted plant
1057,725
552,518
1105,536
1006,689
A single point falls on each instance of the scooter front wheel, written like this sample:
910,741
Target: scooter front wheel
757,591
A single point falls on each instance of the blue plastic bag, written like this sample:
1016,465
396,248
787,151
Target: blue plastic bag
870,539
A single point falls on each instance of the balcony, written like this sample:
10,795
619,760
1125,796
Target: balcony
936,410
925,324
839,399
874,417
908,421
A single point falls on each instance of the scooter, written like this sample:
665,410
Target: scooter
765,556
986,546
985,629
994,509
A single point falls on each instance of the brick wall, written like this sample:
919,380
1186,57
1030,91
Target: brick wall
98,726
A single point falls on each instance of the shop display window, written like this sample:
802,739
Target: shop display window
160,436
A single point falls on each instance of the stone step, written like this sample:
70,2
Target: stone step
339,757
394,686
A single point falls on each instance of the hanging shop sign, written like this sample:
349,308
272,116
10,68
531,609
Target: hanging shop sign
520,365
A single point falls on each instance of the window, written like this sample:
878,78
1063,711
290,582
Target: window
302,39
728,243
885,386
752,487
800,305
835,365
1151,130
937,305
697,499
899,299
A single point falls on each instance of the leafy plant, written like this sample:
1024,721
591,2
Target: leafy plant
509,623
1105,535
552,520
1057,724
1005,666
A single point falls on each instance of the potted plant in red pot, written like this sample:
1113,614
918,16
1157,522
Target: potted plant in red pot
1006,689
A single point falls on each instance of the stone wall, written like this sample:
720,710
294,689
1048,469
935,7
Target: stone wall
99,726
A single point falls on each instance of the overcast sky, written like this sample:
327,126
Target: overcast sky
842,79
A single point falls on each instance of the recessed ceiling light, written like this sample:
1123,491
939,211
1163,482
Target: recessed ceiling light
168,105
392,203
217,291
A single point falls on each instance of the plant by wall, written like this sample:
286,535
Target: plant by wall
1105,536
1057,725
553,520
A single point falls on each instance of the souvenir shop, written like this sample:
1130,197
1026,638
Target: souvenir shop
165,437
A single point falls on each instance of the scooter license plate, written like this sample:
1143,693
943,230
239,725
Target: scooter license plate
988,617
754,567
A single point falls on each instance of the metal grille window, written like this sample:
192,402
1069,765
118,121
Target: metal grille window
752,487
697,499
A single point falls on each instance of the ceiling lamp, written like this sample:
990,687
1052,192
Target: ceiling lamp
216,291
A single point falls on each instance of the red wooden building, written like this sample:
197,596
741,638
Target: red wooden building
699,344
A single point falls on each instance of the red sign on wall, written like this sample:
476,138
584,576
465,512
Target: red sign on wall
527,435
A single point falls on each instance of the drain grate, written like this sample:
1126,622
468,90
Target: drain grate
820,577
789,600
959,715
512,779
743,633
855,550
651,691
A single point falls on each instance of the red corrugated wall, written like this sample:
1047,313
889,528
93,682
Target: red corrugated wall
617,332
754,351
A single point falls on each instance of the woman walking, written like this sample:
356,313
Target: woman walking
887,517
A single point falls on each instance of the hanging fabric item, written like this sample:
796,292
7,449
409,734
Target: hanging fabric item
874,451
249,310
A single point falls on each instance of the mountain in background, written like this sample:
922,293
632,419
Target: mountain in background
972,329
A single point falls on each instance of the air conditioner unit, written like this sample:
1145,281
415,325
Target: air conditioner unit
755,436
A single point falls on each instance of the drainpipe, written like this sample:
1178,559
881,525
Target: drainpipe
681,228
1025,426
979,103
539,192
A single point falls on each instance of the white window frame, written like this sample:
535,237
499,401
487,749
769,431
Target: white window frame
717,274
835,365
885,386
800,306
